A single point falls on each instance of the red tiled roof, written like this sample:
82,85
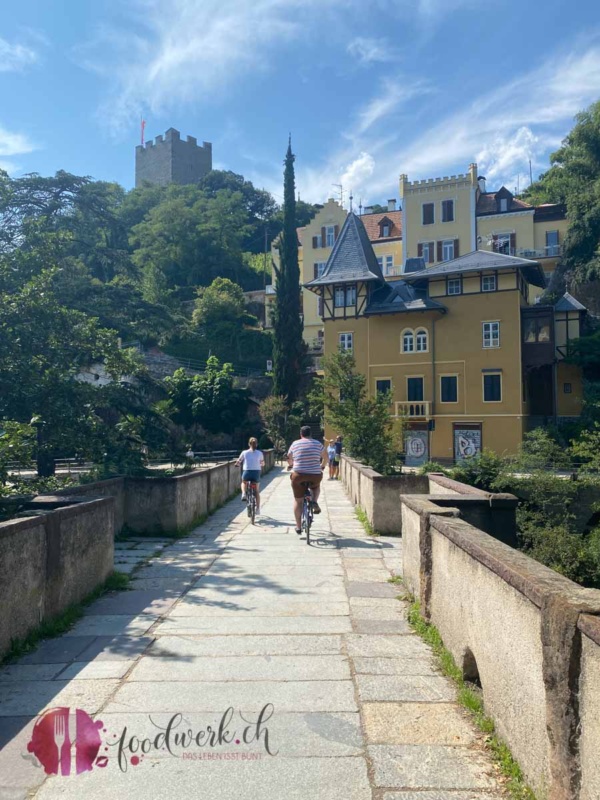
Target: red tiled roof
372,223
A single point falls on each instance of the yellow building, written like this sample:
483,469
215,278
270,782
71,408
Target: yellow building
469,362
445,217
384,230
315,242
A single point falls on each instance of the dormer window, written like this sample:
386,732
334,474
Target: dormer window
385,230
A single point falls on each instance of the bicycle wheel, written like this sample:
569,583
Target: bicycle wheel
253,508
307,516
249,495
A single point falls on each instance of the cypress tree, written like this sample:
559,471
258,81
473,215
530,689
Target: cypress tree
288,345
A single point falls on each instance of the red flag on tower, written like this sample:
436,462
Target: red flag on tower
143,125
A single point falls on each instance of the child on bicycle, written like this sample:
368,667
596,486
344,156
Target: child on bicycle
252,461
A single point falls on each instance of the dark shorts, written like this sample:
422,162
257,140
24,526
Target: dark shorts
251,475
332,461
298,480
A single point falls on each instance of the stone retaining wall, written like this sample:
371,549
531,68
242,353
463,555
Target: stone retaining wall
527,633
379,497
51,561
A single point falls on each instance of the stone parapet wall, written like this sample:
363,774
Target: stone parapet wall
52,561
527,633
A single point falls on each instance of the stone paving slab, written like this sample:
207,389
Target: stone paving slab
408,688
372,589
443,795
243,668
247,695
268,779
429,767
279,608
186,647
30,672
27,698
94,670
363,624
291,735
58,651
409,646
134,602
400,665
252,625
417,723
113,625
115,648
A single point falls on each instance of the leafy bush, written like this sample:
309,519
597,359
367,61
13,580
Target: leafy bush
540,450
432,466
481,471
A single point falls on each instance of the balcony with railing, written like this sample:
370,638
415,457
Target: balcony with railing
551,251
315,346
414,409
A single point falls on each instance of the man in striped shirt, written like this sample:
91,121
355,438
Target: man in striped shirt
306,459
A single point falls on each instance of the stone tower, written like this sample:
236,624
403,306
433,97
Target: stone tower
169,159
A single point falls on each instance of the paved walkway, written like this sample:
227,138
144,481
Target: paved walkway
241,616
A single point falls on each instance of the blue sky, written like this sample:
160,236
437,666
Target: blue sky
368,88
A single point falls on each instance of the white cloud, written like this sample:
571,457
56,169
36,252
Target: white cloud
15,57
395,92
13,144
187,50
369,50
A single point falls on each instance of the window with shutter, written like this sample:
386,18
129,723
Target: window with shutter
448,250
428,214
456,249
420,250
316,242
447,210
440,255
315,271
430,251
323,237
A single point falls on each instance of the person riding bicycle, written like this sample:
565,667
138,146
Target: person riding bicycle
251,461
307,460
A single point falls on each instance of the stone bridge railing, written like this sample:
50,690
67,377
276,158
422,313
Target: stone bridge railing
52,561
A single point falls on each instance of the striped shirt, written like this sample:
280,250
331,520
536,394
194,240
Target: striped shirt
307,455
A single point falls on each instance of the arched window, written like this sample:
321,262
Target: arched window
421,337
408,341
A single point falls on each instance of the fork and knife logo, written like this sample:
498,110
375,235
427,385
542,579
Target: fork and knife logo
65,733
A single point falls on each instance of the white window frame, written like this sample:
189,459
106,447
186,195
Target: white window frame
346,341
494,340
429,203
321,268
504,238
425,252
329,235
339,291
454,280
446,245
385,230
419,333
350,296
450,375
407,332
380,262
492,285
388,265
447,200
483,377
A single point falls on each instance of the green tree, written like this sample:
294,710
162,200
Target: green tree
574,179
288,347
370,433
210,399
281,421
44,349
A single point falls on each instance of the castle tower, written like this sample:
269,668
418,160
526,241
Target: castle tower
170,159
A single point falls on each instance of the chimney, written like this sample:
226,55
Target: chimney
481,182
392,204
368,209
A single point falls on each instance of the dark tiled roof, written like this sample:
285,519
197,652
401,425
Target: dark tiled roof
481,260
372,223
548,212
352,257
568,303
399,297
487,203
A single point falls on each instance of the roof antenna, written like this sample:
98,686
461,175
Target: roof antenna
360,207
351,199
340,192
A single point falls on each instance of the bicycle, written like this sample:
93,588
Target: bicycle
251,500
307,511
